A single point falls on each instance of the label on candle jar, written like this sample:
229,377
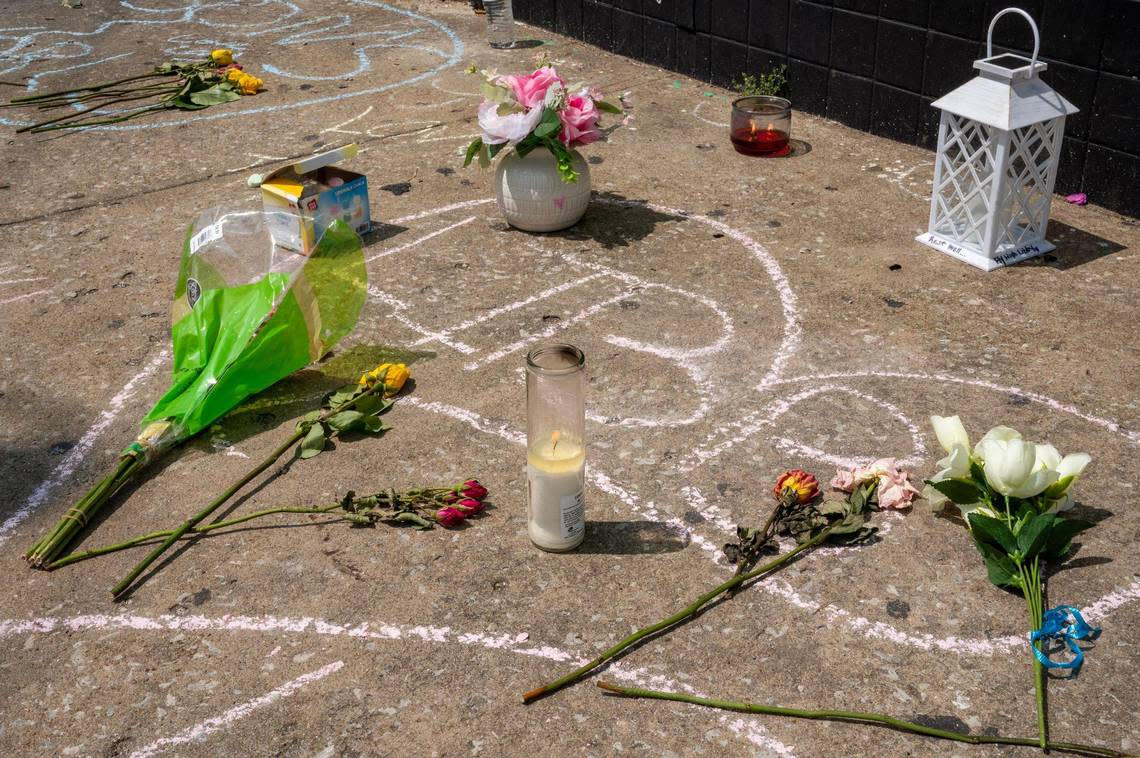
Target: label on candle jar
573,515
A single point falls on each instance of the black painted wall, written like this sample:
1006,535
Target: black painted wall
876,65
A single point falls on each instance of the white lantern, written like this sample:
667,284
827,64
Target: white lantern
998,144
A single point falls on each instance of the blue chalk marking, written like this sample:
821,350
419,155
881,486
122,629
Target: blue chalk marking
188,14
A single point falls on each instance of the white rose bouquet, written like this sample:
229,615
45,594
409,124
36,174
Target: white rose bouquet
1014,496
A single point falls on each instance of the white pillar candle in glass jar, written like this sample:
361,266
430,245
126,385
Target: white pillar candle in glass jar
556,447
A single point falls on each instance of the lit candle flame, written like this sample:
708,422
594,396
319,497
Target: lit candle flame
769,128
554,437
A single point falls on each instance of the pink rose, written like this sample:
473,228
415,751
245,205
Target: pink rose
512,128
449,517
844,480
469,506
579,121
896,494
472,488
530,90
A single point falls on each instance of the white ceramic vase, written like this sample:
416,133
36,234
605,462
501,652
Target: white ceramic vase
533,197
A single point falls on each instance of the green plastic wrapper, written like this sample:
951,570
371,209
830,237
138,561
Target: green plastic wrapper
248,312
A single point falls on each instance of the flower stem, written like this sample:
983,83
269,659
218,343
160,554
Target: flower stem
858,717
93,88
176,534
143,539
680,616
48,547
1032,589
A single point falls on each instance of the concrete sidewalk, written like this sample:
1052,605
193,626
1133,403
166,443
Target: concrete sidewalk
739,316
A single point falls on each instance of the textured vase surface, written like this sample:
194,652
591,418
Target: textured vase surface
533,197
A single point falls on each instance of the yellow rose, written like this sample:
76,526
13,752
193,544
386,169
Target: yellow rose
222,57
234,74
397,374
249,84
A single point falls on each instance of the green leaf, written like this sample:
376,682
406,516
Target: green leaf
346,421
215,95
605,107
959,491
182,103
993,531
415,519
545,128
1060,539
373,425
493,150
373,405
999,568
549,124
1059,487
1034,535
495,94
314,442
978,474
484,157
472,149
342,396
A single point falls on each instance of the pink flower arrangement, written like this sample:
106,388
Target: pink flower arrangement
537,110
894,490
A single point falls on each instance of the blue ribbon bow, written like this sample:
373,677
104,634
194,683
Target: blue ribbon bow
1063,623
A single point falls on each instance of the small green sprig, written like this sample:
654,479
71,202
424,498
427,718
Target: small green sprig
771,83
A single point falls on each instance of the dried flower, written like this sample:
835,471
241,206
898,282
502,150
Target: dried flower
449,517
394,376
222,57
796,486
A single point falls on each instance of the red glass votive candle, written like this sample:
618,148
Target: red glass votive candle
761,125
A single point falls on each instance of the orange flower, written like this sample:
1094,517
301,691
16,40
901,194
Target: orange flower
796,486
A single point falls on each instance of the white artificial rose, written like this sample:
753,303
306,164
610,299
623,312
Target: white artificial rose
950,432
1010,465
509,127
1000,433
1073,465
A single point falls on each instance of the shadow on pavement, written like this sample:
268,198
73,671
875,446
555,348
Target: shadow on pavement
630,538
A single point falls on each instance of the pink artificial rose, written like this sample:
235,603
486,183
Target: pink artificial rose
449,517
512,128
530,90
579,121
472,488
469,506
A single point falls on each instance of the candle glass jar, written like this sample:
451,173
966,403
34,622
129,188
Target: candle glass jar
761,125
556,446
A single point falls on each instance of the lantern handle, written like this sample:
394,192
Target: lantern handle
1032,25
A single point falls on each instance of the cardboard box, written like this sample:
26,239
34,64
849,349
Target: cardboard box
309,195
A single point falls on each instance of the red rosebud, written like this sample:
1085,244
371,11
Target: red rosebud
472,488
796,486
449,517
451,497
470,506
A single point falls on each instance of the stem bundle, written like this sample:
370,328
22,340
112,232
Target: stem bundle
52,544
